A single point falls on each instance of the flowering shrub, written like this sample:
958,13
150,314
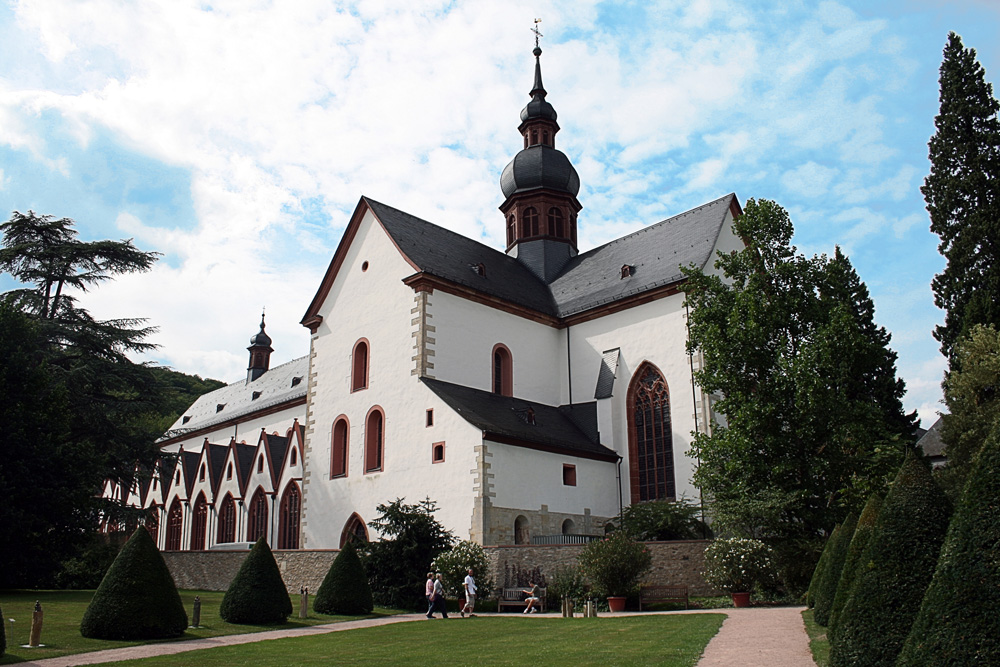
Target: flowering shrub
455,563
738,565
615,563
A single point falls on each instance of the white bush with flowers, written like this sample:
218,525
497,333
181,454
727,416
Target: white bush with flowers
738,565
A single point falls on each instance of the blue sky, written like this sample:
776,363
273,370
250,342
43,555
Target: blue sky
236,137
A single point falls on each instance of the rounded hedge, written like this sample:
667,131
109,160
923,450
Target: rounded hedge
345,589
862,533
257,594
826,590
896,567
137,598
821,567
958,623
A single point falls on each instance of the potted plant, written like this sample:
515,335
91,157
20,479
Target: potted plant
737,566
614,566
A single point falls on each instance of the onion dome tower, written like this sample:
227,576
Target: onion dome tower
260,353
539,187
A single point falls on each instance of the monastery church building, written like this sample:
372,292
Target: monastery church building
532,392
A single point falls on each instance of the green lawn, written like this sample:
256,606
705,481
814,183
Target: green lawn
635,640
818,643
64,609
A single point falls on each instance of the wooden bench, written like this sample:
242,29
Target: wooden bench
514,597
650,594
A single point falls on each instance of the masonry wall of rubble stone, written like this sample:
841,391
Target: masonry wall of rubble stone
675,563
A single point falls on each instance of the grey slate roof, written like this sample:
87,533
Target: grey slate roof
216,462
930,443
190,461
588,280
275,387
569,429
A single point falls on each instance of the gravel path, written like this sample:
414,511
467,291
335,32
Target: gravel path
759,637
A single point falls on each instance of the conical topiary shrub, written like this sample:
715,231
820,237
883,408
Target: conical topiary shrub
345,589
821,567
896,567
137,598
958,622
862,533
826,590
257,594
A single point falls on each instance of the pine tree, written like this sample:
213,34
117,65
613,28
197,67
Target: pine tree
345,589
826,590
137,598
958,622
862,533
963,196
257,594
896,567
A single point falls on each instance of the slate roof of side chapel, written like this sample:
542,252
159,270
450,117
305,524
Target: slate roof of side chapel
217,455
589,280
277,447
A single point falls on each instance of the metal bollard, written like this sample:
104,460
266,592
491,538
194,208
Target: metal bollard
196,613
36,626
303,602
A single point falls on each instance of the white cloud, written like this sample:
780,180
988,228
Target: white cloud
809,180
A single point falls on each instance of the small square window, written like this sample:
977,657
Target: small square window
569,475
437,452
430,417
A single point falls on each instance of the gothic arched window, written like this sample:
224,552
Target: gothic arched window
199,521
650,437
175,522
288,519
227,521
354,531
257,518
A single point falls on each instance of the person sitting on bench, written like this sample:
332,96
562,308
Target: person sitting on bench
532,599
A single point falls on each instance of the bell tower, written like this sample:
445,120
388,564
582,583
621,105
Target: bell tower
539,187
260,353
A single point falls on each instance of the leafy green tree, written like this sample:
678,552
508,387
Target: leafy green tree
813,409
661,520
257,595
411,539
345,589
897,565
826,588
454,564
137,598
962,193
862,533
973,400
957,623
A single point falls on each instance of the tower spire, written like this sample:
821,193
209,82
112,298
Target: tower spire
260,353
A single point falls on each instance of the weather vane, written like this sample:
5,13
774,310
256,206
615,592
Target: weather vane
535,30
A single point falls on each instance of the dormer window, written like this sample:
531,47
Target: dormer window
254,396
480,269
626,271
219,407
296,380
186,419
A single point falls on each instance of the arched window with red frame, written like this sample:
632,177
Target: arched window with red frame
175,525
199,521
257,516
555,220
359,365
503,371
650,436
354,531
529,222
152,522
510,229
226,531
374,439
339,443
288,517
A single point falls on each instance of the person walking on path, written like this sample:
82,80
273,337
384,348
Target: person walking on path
438,594
470,595
429,594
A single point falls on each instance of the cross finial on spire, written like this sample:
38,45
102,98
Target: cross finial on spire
535,30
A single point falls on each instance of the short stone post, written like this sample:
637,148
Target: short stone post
304,602
36,626
569,608
196,613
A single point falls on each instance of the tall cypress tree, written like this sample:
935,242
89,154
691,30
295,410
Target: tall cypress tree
826,589
963,196
862,532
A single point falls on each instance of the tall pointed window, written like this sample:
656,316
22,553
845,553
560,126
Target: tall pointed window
199,521
227,521
175,523
288,520
374,439
650,442
529,222
338,448
556,226
359,366
354,531
257,517
503,376
152,522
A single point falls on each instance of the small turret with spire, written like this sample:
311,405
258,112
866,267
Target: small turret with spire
260,353
539,187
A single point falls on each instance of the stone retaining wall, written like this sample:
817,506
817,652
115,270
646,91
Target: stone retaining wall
674,563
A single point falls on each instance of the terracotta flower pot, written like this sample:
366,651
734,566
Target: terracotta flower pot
741,599
616,603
